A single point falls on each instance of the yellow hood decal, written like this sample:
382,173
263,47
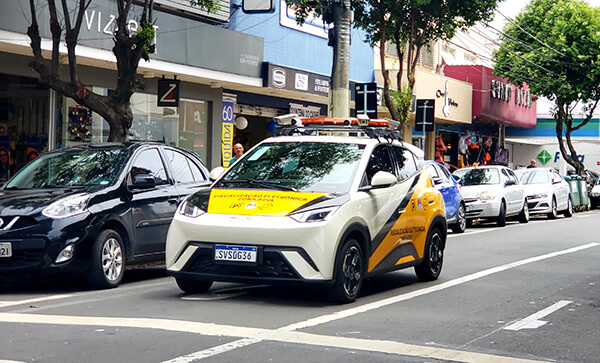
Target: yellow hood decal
257,203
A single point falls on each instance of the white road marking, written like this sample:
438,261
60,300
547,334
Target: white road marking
10,361
35,300
470,232
289,334
532,321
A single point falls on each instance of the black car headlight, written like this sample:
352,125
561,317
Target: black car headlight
189,210
315,215
67,207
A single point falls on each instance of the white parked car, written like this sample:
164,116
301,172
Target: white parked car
492,192
547,192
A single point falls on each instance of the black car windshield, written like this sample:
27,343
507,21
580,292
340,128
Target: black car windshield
324,167
480,176
533,177
71,167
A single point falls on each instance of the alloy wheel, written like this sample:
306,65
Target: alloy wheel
352,270
112,259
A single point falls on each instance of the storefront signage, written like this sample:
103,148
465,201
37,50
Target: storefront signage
503,91
168,93
227,132
290,79
447,100
305,111
313,24
544,156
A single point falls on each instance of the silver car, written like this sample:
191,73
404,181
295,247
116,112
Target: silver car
547,192
492,192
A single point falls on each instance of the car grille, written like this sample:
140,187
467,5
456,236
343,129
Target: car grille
272,266
470,200
11,223
22,257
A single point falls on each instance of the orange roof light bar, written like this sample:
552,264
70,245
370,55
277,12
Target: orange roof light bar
341,121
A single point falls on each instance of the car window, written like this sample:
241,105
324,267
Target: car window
181,168
512,176
410,163
480,176
380,160
150,162
432,170
442,173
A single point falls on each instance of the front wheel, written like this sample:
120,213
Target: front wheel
524,215
107,267
431,266
461,220
501,220
554,212
348,273
193,287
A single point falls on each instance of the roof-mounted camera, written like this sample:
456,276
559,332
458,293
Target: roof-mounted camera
290,119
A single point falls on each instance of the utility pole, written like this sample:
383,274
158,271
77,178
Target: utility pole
339,93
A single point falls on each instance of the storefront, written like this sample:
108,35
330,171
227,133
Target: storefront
496,105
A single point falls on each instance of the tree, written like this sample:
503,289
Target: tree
129,48
410,25
554,47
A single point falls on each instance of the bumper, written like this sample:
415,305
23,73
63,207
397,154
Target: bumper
482,209
539,206
288,251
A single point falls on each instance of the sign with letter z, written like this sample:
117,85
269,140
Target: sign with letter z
168,93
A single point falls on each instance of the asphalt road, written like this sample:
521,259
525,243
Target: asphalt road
522,293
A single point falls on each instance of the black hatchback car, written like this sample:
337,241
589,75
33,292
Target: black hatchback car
94,209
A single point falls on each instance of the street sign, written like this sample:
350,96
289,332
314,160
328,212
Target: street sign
168,93
425,115
366,99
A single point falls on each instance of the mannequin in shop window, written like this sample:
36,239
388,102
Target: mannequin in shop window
440,149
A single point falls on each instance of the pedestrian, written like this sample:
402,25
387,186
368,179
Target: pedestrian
238,150
531,164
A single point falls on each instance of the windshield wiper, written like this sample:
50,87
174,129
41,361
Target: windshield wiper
272,184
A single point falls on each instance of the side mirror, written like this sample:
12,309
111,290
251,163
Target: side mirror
216,173
510,182
143,181
437,180
381,179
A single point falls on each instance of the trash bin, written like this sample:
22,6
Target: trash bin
583,193
575,195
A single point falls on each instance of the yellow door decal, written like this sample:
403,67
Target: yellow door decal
265,203
411,227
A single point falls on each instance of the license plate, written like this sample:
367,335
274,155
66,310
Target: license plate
5,249
236,253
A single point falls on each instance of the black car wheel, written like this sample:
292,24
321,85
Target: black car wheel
108,265
524,215
431,266
569,211
554,212
193,287
348,273
501,220
461,220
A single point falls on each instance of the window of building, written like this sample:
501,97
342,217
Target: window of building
469,58
447,50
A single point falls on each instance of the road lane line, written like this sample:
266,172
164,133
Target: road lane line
533,321
35,300
254,335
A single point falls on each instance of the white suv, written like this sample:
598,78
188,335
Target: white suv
322,205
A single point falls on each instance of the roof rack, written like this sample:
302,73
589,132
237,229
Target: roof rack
361,126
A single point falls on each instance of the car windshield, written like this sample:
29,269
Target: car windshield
533,177
303,166
480,176
71,167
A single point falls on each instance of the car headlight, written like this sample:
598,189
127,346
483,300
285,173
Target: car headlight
189,210
538,196
595,194
315,215
487,196
67,207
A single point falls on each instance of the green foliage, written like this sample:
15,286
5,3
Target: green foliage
209,5
402,100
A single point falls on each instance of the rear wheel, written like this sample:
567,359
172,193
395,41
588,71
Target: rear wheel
524,215
348,273
461,220
193,287
108,265
431,266
554,212
501,220
569,211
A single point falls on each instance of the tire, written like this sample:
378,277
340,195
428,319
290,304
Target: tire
108,264
193,287
461,220
524,215
433,257
501,219
348,273
554,212
569,211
